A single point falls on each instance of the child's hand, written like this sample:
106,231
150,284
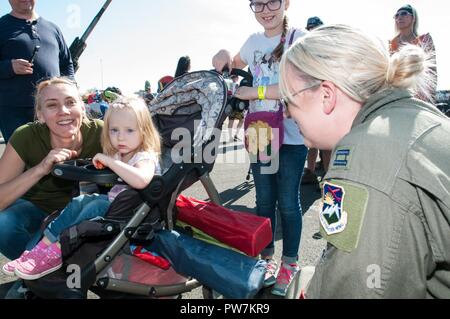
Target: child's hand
99,165
99,161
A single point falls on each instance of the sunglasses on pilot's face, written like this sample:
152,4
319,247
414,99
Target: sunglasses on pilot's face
402,14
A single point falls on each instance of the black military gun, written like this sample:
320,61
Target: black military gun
79,44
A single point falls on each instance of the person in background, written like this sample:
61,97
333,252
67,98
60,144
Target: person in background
309,173
407,28
162,83
262,53
386,197
31,48
183,66
148,95
313,23
235,115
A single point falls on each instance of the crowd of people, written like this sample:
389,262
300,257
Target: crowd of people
329,89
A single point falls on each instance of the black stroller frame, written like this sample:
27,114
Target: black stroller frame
190,91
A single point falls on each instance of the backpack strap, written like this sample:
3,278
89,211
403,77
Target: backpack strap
291,39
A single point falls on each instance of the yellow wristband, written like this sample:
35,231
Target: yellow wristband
262,92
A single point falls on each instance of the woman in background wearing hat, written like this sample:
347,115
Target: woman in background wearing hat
406,26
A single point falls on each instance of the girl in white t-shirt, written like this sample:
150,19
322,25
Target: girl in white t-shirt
131,147
277,180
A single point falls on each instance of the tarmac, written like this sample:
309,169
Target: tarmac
238,193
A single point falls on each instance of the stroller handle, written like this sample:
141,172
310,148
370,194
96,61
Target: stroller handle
247,80
84,171
244,74
247,76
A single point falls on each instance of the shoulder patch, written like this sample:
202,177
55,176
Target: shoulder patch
343,208
342,158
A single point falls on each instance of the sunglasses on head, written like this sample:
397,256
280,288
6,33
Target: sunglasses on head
402,14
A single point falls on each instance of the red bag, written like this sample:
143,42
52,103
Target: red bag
151,258
247,232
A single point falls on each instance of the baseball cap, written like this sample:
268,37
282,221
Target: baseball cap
313,22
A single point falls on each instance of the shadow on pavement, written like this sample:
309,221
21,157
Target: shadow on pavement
4,288
232,195
230,148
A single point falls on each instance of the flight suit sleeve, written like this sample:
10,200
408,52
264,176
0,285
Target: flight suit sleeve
380,250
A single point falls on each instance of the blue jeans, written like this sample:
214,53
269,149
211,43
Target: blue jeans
282,188
80,208
20,224
13,117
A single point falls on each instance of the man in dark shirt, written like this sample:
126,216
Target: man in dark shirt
31,48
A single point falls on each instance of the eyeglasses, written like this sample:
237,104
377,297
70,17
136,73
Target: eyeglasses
285,101
402,14
272,5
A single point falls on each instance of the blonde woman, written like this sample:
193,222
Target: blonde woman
407,28
28,193
386,196
131,146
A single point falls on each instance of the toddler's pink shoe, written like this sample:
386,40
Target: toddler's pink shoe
9,267
40,262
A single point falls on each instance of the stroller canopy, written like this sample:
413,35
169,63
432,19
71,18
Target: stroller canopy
203,91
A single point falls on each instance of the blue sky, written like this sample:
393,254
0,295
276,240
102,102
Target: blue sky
142,40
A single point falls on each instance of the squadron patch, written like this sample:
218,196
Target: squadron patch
342,214
333,217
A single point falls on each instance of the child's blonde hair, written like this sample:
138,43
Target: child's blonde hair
149,134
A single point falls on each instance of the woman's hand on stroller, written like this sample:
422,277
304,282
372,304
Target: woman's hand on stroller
54,157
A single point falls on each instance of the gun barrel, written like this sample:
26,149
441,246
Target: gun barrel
79,44
95,21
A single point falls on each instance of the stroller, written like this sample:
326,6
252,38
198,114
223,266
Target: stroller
195,105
